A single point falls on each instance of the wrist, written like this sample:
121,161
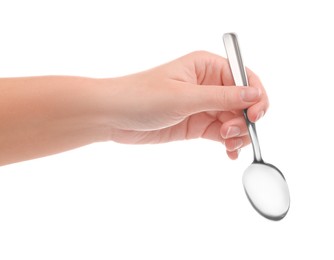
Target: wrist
108,106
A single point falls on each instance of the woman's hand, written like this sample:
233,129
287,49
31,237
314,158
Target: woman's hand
191,97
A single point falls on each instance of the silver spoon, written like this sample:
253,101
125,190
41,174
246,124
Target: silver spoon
264,184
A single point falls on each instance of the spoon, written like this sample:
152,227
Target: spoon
264,184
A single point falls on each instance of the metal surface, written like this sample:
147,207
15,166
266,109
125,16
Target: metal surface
240,79
264,184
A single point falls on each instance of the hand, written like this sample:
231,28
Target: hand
191,97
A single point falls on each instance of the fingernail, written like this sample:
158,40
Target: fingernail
238,144
233,131
259,115
250,94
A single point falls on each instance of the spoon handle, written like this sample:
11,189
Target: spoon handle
240,79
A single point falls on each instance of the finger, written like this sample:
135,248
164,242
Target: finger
209,68
194,98
234,144
256,111
254,80
212,132
234,128
222,116
233,155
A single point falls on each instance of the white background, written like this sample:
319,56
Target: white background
181,200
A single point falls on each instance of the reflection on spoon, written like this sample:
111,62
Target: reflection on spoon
264,184
267,190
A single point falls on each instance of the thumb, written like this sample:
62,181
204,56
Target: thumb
220,98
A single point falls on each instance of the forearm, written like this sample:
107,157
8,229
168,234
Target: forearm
40,116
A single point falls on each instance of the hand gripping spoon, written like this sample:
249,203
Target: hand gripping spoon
264,184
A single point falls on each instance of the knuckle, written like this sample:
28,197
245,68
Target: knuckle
200,53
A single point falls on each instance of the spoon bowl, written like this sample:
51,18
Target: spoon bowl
264,184
267,191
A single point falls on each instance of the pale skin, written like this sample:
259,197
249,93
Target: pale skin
191,97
